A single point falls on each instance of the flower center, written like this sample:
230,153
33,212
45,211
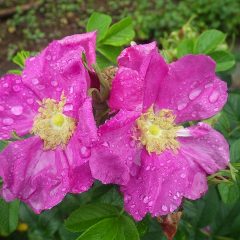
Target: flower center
51,125
158,131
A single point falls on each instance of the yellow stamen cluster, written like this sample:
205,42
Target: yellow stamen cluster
158,131
51,125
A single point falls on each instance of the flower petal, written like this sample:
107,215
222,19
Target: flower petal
140,68
115,153
59,69
86,129
18,106
192,89
41,178
206,147
161,183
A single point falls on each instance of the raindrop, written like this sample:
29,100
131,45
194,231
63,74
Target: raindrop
35,81
85,152
17,110
181,106
214,97
68,107
5,85
30,101
16,88
54,83
8,121
1,108
40,87
145,199
105,144
164,208
150,204
194,94
183,175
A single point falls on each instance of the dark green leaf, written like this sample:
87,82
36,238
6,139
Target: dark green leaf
223,59
8,217
99,22
129,229
235,151
229,192
120,33
106,229
88,215
102,61
3,144
186,46
208,41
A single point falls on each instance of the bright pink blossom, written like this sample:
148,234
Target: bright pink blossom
41,169
158,167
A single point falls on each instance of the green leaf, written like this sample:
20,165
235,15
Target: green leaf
129,229
88,215
120,33
115,228
20,58
102,61
186,46
229,192
106,229
15,71
208,41
99,22
235,151
224,60
3,144
8,217
110,52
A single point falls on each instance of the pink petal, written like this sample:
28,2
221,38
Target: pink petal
161,183
86,129
192,89
40,178
115,154
206,147
58,69
158,188
18,106
141,69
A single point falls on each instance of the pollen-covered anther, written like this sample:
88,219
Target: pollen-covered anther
158,131
51,125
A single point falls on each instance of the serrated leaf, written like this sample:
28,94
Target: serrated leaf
208,41
186,46
8,217
99,22
120,33
110,52
88,215
223,59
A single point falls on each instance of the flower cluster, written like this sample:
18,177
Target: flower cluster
147,146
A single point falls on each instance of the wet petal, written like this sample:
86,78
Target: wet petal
18,106
206,147
140,68
58,69
192,89
115,154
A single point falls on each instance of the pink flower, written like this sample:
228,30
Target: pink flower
49,101
145,147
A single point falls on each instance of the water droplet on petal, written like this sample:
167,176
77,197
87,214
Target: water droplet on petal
16,88
214,97
85,152
145,199
35,81
150,204
164,208
68,107
17,110
194,94
5,85
1,108
8,121
30,100
54,83
181,106
40,87
183,175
